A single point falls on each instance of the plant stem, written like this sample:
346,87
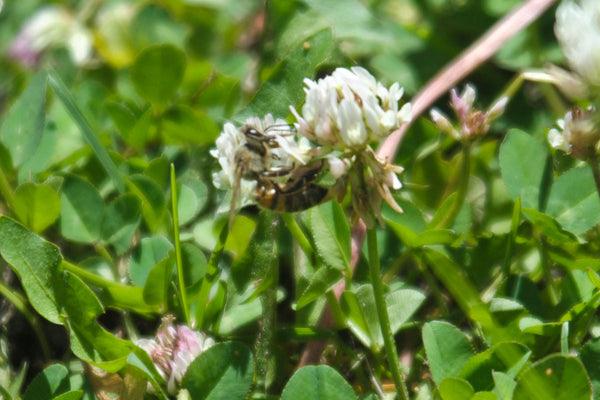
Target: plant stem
595,170
297,234
6,191
212,271
384,318
179,262
461,192
514,226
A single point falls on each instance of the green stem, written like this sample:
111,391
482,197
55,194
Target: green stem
20,304
297,234
212,269
384,318
461,193
6,191
510,245
179,262
552,290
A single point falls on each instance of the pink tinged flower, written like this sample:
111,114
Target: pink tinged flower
173,350
52,27
472,123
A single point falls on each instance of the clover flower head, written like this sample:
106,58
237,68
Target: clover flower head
286,149
173,350
350,108
344,112
472,123
577,134
52,27
577,29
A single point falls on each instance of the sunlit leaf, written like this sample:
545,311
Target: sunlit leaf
224,371
317,382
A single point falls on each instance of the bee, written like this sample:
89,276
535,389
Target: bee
297,194
283,188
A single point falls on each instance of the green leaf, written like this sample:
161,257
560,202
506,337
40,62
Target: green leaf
556,377
502,357
505,385
590,357
188,204
194,263
37,205
149,253
455,389
86,130
82,210
152,198
24,123
35,262
460,286
237,315
157,72
593,277
284,86
447,348
323,280
49,383
182,124
523,161
549,226
120,221
89,341
332,246
141,362
223,372
356,318
158,281
351,19
317,382
359,308
406,225
72,395
484,396
574,201
401,305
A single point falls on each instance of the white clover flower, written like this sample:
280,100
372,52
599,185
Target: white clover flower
577,133
349,108
472,123
342,114
52,27
173,350
577,29
286,152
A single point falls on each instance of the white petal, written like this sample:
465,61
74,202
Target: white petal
405,113
497,108
352,128
556,140
469,94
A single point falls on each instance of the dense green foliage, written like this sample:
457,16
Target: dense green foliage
109,219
